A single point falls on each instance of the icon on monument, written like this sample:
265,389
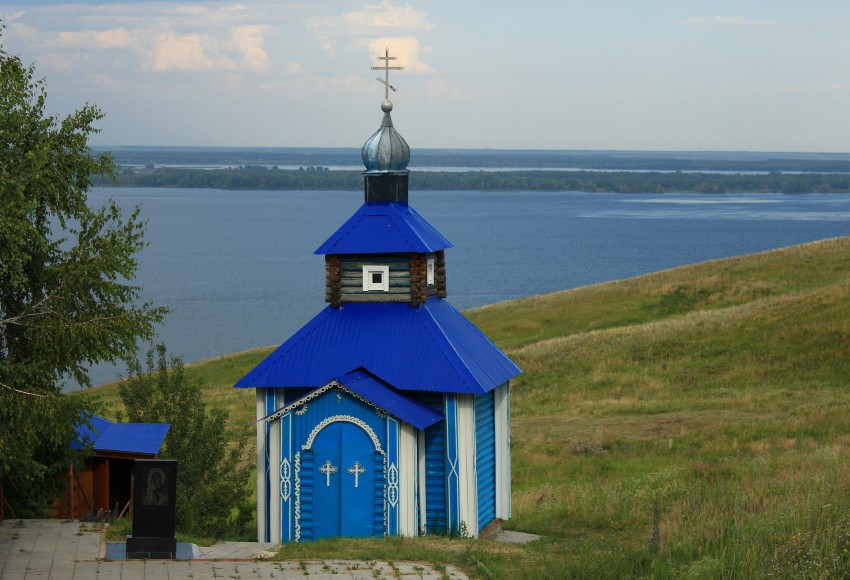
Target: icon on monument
156,492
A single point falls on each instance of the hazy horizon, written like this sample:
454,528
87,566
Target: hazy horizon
744,75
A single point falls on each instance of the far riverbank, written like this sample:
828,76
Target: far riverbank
320,178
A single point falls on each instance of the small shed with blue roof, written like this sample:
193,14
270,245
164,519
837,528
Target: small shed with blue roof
389,412
105,482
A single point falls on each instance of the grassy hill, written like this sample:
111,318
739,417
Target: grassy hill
689,423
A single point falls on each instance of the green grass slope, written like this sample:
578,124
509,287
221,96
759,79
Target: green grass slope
693,423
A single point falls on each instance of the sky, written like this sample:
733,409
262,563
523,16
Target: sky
743,75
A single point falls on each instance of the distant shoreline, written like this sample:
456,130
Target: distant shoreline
319,178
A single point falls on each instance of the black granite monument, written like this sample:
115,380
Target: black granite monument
155,482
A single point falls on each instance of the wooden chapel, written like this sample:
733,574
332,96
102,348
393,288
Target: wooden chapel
389,412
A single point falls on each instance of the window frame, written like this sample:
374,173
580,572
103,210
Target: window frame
369,285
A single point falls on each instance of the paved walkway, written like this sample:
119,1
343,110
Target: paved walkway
58,550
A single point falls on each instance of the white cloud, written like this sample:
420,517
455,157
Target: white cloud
293,67
93,39
373,20
188,52
248,41
731,22
153,38
385,15
406,49
11,17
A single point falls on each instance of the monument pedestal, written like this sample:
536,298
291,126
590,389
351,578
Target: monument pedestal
151,548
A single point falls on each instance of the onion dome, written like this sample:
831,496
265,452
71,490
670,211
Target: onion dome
386,151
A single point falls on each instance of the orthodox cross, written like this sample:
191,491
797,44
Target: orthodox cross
356,470
387,68
327,469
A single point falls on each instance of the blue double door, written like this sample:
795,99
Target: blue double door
347,499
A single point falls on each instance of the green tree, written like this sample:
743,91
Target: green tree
65,297
212,472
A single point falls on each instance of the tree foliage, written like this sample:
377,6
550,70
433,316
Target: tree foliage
517,180
212,475
65,297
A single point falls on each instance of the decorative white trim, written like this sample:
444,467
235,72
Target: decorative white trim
285,480
298,496
274,482
384,500
392,485
262,467
467,481
502,411
421,495
369,285
347,419
408,480
315,393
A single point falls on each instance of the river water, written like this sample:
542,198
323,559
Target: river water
237,268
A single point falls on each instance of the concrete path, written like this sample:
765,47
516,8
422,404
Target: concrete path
59,550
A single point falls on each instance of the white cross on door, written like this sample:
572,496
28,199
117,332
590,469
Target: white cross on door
327,469
356,470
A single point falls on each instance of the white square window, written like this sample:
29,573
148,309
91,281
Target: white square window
429,269
376,278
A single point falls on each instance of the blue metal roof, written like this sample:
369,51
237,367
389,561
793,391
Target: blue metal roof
387,398
124,437
380,228
86,434
429,348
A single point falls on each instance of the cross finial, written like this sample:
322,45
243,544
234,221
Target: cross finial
387,105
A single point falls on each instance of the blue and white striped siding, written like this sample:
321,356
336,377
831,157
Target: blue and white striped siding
467,505
485,458
262,468
408,467
452,463
502,412
432,464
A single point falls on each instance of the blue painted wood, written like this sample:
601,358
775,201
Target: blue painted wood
436,521
287,483
306,494
393,477
343,504
379,495
451,456
270,396
266,480
485,458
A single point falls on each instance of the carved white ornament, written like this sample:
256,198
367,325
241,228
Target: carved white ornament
285,482
297,497
302,402
346,419
392,488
